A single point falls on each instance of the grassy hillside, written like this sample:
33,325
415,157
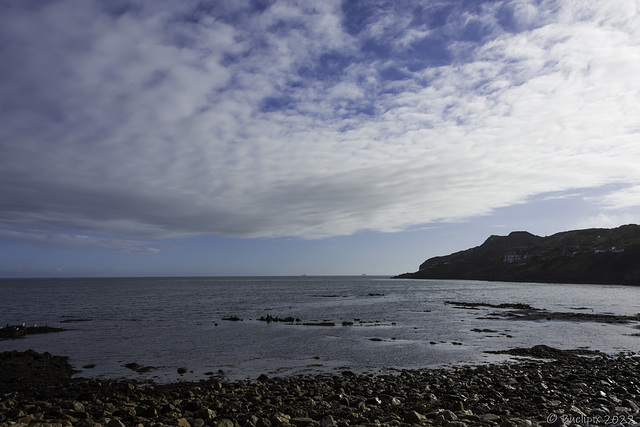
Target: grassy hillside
595,255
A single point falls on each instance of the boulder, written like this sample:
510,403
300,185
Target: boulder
413,417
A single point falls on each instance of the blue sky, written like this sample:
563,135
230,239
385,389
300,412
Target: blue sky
283,137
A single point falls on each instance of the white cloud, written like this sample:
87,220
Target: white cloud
621,199
145,125
604,220
82,242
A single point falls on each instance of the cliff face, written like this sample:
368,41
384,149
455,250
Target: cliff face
597,255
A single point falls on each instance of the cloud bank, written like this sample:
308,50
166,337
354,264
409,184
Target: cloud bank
123,121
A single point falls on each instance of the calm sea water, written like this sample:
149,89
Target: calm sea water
169,323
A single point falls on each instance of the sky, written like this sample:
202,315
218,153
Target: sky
256,137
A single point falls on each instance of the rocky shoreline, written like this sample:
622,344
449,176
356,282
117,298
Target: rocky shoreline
568,387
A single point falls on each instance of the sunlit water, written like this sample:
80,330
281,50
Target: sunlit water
169,323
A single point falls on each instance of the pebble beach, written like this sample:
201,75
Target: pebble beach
544,386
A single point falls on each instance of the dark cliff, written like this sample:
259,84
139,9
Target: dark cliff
597,255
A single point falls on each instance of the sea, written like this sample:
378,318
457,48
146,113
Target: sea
365,324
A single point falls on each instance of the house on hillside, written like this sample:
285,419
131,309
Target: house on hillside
511,258
612,249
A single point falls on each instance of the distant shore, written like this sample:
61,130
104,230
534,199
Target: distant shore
591,256
558,386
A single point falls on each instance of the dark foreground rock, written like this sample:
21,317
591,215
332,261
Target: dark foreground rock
572,390
24,372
